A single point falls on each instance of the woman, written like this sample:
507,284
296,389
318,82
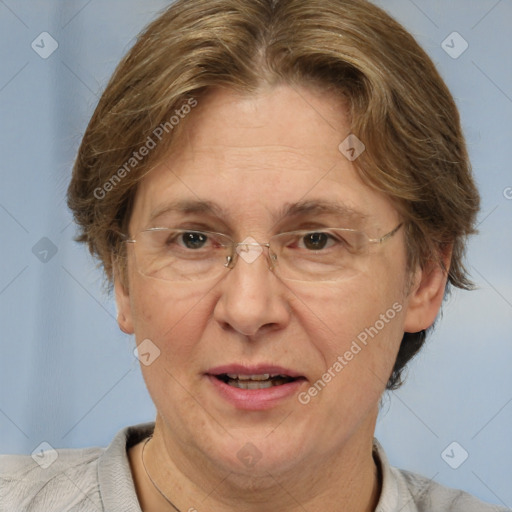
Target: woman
280,194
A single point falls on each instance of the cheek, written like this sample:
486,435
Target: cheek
354,335
356,331
337,315
174,320
171,316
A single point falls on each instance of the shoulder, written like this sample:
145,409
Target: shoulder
429,495
52,480
410,492
78,480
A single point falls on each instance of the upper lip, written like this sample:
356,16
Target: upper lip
258,369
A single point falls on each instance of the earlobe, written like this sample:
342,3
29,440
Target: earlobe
124,315
426,295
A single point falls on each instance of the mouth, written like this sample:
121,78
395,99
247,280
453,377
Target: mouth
256,387
255,381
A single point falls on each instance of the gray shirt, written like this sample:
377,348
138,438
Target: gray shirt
99,479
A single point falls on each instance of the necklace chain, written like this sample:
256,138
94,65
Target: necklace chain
151,480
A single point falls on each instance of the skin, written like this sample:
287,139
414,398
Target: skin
251,155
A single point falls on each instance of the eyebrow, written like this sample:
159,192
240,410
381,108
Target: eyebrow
320,207
288,210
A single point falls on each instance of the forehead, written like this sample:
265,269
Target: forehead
248,159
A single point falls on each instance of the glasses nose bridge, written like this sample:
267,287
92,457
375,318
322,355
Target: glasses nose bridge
246,244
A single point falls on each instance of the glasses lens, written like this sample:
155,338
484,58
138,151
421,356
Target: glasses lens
181,255
326,255
331,254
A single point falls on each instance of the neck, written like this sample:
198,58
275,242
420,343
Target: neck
172,477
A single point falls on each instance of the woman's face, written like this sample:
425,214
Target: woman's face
253,157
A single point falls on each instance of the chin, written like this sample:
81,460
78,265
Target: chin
251,454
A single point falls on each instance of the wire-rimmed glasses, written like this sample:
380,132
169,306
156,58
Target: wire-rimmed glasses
326,254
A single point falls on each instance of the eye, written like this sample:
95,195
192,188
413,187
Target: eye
316,241
192,239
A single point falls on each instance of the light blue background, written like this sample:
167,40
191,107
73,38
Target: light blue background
67,373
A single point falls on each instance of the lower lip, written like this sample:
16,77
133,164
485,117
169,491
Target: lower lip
255,399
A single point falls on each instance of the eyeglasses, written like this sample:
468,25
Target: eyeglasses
330,254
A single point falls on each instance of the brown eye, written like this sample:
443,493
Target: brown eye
316,241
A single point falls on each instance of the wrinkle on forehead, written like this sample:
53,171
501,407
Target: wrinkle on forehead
257,160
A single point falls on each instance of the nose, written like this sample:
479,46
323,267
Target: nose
252,298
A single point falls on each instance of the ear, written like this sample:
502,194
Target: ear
426,294
124,310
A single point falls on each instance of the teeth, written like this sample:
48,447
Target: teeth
262,381
263,376
251,384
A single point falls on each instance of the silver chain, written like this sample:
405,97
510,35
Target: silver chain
152,481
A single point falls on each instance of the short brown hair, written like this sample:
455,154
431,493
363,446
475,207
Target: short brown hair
399,107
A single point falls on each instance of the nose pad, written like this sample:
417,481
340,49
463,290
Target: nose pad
230,262
272,256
